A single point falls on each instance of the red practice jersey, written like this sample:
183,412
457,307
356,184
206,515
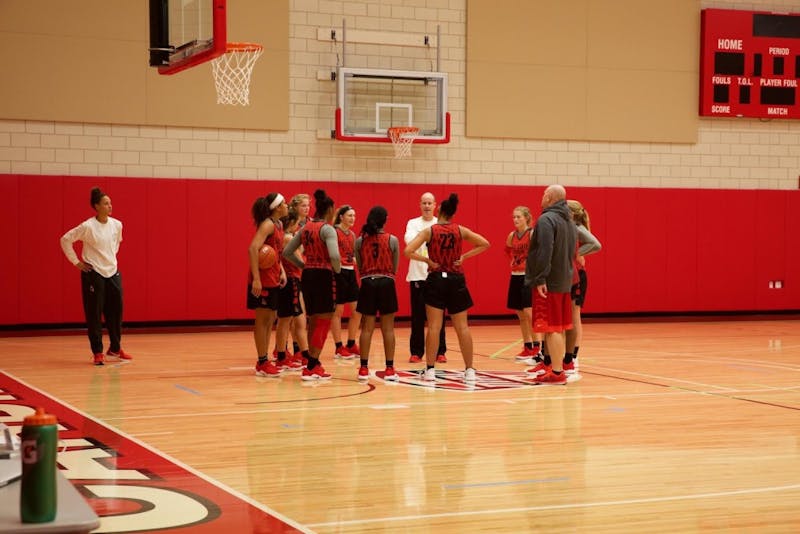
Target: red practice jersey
376,256
518,251
314,246
347,243
445,247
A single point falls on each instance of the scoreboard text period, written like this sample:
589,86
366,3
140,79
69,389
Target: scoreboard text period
749,64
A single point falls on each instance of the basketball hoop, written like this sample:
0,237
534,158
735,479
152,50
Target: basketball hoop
402,138
232,73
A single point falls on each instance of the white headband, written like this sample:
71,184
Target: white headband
277,202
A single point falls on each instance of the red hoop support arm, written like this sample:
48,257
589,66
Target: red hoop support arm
220,30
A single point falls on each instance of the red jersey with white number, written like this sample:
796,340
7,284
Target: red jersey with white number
445,247
347,246
518,251
376,256
314,246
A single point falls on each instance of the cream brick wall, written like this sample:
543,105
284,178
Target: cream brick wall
730,153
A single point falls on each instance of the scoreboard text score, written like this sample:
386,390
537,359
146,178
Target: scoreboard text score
749,64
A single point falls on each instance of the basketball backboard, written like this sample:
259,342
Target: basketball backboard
370,101
185,33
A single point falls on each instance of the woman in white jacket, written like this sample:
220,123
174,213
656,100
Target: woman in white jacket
101,283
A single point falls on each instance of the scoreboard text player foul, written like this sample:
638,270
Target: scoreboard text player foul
749,64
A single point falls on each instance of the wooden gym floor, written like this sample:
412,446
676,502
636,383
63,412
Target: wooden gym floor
672,427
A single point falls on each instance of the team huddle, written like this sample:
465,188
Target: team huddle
305,269
319,265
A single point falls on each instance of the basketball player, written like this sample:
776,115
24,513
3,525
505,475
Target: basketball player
417,279
446,287
322,262
290,310
519,296
377,255
549,272
264,284
101,282
587,244
301,202
346,285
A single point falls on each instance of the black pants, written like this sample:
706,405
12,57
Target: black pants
102,298
418,321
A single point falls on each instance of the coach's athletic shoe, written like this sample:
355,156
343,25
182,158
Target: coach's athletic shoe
539,369
343,354
267,369
363,373
99,359
569,368
122,355
354,350
318,373
429,375
415,359
469,375
441,358
552,379
390,375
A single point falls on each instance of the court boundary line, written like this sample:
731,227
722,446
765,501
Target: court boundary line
549,507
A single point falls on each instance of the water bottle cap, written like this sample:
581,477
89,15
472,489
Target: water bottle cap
40,418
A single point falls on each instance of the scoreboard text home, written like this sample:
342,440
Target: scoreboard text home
749,64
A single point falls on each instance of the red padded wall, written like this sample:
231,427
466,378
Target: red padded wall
10,220
184,253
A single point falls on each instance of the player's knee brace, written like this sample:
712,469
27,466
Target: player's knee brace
320,333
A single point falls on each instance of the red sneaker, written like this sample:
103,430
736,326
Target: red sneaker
99,359
267,369
122,355
537,370
415,359
343,354
289,364
390,375
569,368
363,373
525,354
441,358
355,350
552,379
318,373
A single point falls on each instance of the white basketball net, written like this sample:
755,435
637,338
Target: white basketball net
402,138
232,72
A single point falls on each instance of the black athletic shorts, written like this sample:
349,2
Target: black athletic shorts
377,295
319,291
268,298
519,296
447,291
289,299
578,291
346,286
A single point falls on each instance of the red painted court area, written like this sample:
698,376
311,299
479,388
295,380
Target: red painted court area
132,487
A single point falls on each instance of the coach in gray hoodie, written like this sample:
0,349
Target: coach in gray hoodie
549,273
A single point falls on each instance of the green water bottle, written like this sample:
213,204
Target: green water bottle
39,443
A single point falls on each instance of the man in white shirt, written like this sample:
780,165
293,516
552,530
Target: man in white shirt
417,276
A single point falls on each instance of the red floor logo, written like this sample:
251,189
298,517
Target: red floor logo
131,487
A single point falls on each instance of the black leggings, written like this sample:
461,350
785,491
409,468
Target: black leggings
418,318
102,298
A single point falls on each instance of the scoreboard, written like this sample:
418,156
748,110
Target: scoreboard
749,64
